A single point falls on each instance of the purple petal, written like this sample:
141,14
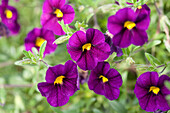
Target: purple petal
123,39
45,88
71,69
4,3
94,36
148,79
102,68
111,92
57,97
148,102
87,61
47,7
57,3
53,72
75,53
126,14
13,26
101,51
69,86
77,39
115,79
68,14
50,22
139,37
163,88
140,91
114,25
142,22
95,84
162,103
145,10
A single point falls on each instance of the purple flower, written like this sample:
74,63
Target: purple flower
105,81
61,83
144,9
54,11
128,28
37,36
114,48
151,91
89,48
8,18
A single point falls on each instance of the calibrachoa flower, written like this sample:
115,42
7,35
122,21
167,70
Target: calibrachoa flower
114,48
8,18
54,11
105,81
151,91
89,48
128,28
144,9
61,83
37,36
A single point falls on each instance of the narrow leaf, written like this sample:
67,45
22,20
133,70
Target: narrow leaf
26,54
153,61
42,49
61,39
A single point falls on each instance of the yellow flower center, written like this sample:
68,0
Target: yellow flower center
59,80
104,79
58,13
8,14
154,89
86,46
39,41
139,7
129,25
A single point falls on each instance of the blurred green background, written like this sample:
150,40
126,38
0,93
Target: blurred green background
18,84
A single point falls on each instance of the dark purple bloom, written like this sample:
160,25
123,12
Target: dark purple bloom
9,16
151,91
105,81
89,48
61,83
37,36
128,28
54,11
144,9
114,48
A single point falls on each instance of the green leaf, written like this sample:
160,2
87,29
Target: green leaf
42,49
26,54
24,62
35,51
56,109
61,39
32,56
63,25
118,107
153,43
153,61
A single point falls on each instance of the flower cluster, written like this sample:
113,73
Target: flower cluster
89,49
151,91
8,20
129,27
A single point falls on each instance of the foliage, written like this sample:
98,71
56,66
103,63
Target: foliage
18,84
